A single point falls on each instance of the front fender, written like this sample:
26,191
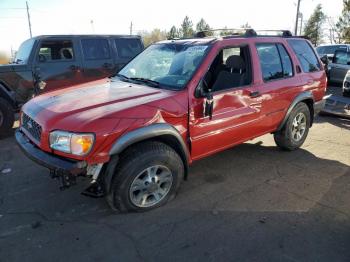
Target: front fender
148,132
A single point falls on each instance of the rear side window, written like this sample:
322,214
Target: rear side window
306,56
274,61
56,50
128,47
94,49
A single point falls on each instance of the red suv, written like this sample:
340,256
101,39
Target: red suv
178,101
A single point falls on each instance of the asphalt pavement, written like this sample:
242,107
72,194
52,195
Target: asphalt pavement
253,202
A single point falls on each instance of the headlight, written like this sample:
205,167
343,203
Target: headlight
76,144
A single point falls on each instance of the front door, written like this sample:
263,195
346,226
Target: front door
236,104
340,66
57,64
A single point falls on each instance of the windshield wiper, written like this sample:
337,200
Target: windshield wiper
146,81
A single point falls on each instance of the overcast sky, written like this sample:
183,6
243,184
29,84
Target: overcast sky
114,16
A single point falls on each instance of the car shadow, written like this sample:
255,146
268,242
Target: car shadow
334,120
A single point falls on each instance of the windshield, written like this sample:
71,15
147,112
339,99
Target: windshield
169,65
330,49
24,51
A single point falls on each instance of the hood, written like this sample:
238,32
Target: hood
76,107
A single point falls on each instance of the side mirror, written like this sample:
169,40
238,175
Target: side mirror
208,105
325,60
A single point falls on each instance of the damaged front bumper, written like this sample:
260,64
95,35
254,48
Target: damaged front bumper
64,169
47,160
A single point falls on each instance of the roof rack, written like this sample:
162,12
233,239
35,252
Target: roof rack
242,32
247,32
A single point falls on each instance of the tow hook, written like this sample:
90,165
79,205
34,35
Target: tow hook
95,189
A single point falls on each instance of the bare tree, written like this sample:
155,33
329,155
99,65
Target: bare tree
334,32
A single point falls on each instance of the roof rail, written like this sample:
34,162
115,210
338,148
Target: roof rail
283,33
243,32
247,32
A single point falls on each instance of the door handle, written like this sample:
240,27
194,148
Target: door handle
107,65
74,67
254,94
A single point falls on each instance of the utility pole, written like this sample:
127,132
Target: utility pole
28,16
297,19
301,23
131,28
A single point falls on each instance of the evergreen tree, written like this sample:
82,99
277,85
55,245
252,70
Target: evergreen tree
313,27
173,33
187,27
202,26
343,24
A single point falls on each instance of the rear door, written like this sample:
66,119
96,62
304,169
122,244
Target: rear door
126,49
57,63
279,83
339,66
97,58
310,70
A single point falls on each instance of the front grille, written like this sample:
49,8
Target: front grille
31,126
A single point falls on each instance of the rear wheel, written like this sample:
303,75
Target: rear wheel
295,130
7,117
147,176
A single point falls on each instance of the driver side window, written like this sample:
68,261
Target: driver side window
342,58
230,69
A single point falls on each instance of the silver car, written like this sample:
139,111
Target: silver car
339,66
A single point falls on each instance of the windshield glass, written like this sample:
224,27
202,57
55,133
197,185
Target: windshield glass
24,51
170,65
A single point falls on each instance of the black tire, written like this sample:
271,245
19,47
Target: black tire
132,163
284,138
7,117
346,93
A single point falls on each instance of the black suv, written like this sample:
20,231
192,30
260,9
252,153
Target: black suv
49,62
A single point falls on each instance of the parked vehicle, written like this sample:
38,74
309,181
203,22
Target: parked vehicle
346,85
329,50
178,101
45,63
339,66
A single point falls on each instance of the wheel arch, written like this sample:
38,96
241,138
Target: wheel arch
5,93
161,132
305,97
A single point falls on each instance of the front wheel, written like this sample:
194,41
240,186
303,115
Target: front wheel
295,130
7,117
147,176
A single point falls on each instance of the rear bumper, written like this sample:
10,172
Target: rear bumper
52,162
318,106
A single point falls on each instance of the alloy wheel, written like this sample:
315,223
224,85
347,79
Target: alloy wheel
151,186
298,126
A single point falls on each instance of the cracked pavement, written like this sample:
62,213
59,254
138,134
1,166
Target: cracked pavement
249,203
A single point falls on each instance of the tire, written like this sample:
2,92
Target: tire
128,187
287,138
346,93
7,117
